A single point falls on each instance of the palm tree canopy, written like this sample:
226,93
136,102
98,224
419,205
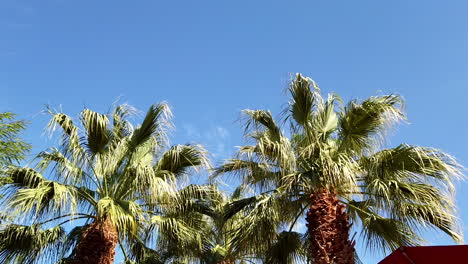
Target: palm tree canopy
391,194
104,169
231,235
12,149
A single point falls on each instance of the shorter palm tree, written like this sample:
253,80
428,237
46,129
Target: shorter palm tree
244,230
111,176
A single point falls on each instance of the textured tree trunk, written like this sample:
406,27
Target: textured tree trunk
97,245
328,227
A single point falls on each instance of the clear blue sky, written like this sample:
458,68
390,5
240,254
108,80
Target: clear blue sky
210,59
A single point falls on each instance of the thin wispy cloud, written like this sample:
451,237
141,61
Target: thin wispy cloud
215,138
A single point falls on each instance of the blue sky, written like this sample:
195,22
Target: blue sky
211,59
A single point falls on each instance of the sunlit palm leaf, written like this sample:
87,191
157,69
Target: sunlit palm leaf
97,135
154,124
19,177
178,159
30,244
363,125
304,93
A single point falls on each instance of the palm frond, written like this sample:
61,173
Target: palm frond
145,255
70,134
48,198
234,207
258,228
121,126
424,216
325,119
363,125
155,123
30,244
251,172
381,233
66,170
287,249
12,149
176,231
122,213
415,164
97,135
180,158
22,177
262,120
387,234
303,99
143,182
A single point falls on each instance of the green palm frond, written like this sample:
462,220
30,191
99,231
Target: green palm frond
194,193
234,207
145,255
70,134
30,244
325,119
253,173
363,125
413,163
18,177
381,233
97,134
12,149
122,213
259,119
179,158
304,95
176,231
66,170
49,198
387,234
263,218
288,248
424,216
143,180
155,123
121,126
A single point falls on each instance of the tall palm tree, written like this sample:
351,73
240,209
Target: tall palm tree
112,177
330,167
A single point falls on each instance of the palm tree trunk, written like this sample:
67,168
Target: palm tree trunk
97,244
328,227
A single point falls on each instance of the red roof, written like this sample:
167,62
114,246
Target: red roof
428,255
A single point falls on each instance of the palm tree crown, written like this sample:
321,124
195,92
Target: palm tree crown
331,165
231,235
119,179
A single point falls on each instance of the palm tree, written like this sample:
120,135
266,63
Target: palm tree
231,235
12,149
111,177
332,169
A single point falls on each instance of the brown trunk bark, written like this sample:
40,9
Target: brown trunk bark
97,245
328,227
